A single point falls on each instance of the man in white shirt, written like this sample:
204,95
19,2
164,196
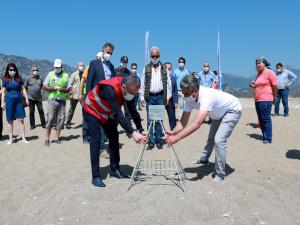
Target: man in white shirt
224,110
155,90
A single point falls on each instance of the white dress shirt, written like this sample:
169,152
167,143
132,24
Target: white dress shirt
156,83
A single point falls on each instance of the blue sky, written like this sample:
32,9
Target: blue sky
75,30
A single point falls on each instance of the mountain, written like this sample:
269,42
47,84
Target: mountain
24,65
236,85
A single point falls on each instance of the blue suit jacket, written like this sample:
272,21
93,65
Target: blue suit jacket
96,73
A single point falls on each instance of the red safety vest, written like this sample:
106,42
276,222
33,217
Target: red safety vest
98,107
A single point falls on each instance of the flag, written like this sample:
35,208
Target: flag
147,52
219,61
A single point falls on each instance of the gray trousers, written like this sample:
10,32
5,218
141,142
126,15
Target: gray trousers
220,131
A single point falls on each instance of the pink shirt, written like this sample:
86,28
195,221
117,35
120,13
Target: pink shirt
263,86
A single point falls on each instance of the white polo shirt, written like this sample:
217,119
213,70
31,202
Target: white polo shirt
217,103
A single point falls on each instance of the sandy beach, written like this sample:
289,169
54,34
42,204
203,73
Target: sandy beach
52,185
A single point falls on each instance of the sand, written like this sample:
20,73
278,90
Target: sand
52,185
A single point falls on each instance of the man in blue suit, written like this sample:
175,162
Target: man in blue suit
100,68
173,102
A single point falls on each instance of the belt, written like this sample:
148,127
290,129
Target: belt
156,94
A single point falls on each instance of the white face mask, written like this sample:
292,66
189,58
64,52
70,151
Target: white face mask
181,65
133,70
154,61
128,96
106,56
124,65
279,71
35,73
205,69
57,70
12,73
81,68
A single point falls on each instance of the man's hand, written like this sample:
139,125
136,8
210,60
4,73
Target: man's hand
3,105
170,139
80,97
27,101
287,85
139,138
143,103
176,105
167,101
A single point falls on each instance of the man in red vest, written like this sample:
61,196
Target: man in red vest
103,108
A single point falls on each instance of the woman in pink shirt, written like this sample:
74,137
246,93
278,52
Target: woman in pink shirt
265,86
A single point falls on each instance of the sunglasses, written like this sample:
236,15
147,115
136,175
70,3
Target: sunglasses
34,70
12,70
154,56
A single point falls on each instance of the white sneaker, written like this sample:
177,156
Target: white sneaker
25,141
9,142
217,179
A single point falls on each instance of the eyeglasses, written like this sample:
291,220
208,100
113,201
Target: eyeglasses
154,56
12,70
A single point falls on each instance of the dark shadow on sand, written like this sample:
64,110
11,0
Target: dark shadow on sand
256,136
206,170
293,154
125,169
254,125
69,138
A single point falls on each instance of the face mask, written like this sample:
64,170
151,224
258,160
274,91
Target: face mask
128,96
181,65
35,73
12,73
154,61
189,99
80,68
106,56
279,71
133,70
124,65
58,70
205,69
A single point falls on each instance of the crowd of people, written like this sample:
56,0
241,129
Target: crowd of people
110,96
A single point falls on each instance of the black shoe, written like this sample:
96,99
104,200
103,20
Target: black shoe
98,182
160,146
47,143
68,126
44,126
118,174
32,128
150,146
57,141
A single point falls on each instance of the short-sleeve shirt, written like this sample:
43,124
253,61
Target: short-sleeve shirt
34,86
179,75
216,102
206,80
58,77
263,86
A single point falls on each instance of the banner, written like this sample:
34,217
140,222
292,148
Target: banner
147,51
219,61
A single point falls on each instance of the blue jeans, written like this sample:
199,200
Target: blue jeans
282,94
263,110
154,100
171,114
